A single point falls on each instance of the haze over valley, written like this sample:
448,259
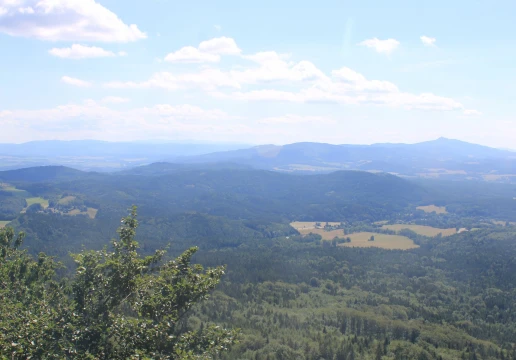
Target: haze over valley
437,159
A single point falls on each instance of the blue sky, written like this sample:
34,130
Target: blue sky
258,72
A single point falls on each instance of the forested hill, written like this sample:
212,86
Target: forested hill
238,193
229,203
59,202
388,268
42,174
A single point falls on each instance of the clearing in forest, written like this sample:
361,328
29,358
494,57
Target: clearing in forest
392,242
4,223
383,222
37,200
91,212
66,200
326,235
303,225
433,208
422,229
8,187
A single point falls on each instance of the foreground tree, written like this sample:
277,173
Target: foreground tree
119,305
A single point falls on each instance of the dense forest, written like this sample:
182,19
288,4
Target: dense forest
452,298
290,293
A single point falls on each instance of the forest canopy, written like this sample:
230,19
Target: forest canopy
117,305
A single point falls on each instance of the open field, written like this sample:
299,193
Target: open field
4,223
422,230
362,239
383,222
326,235
37,200
302,225
92,213
7,187
66,200
503,223
433,208
393,242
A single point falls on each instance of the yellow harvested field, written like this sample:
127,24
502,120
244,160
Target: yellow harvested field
302,225
4,223
433,208
66,200
37,200
92,213
326,235
422,230
392,242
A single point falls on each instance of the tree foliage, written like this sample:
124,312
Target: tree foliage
118,305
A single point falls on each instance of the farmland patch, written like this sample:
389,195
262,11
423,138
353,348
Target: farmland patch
392,242
433,208
422,230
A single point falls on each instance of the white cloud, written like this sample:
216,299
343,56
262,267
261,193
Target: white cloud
472,112
381,46
92,120
26,10
208,51
428,41
272,76
347,86
220,46
357,82
189,54
207,79
114,100
217,27
274,67
75,82
347,96
65,20
267,57
77,51
122,53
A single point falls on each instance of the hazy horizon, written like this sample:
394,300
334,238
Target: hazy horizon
229,143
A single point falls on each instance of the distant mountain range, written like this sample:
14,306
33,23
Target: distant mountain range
441,158
438,158
101,155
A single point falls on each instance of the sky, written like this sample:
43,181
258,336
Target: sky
260,72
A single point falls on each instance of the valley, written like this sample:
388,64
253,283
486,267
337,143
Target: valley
317,265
